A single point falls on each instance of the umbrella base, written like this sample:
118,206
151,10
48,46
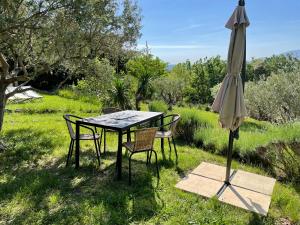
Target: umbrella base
245,190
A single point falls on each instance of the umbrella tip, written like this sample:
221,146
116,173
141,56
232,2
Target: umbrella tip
241,3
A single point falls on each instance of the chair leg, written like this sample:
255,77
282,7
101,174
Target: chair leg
150,156
104,151
129,176
175,148
157,171
169,146
97,153
147,162
100,141
70,152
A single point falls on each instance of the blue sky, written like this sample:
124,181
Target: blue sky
177,30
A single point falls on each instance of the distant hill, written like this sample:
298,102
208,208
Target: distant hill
295,53
170,67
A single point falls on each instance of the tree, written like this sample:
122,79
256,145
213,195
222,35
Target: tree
261,69
39,35
145,68
99,76
171,88
207,73
120,94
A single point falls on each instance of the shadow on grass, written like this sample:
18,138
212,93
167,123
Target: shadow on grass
256,219
54,194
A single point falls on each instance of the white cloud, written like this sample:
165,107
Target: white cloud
190,27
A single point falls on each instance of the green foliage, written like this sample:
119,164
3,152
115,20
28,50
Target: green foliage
99,75
171,88
73,93
145,69
259,69
284,159
158,106
206,74
67,32
191,120
201,128
119,95
277,99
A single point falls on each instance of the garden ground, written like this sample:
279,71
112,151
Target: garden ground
37,188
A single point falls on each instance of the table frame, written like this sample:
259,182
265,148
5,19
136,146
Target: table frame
120,131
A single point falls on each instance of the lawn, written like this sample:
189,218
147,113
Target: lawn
37,188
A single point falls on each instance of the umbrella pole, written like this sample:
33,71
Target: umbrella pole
235,134
229,157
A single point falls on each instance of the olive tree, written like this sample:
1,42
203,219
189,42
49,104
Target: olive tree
37,35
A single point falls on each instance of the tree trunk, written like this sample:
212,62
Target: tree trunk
138,99
2,104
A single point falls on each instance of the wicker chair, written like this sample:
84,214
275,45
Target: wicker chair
143,142
94,136
170,132
104,131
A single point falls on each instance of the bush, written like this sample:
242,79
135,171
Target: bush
276,99
191,120
158,106
99,75
284,160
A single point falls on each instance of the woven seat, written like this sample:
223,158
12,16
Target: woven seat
143,142
84,137
129,146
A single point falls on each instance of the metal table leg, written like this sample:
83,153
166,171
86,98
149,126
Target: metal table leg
77,145
119,157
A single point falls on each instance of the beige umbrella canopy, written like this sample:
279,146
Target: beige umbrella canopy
229,102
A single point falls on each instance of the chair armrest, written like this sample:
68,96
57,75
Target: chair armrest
89,128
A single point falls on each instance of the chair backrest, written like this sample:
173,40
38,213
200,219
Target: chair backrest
174,122
110,110
69,122
144,139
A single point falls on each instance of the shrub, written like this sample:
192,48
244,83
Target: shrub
284,160
119,95
98,79
158,106
276,99
191,120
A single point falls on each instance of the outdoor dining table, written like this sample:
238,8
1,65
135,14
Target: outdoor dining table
121,122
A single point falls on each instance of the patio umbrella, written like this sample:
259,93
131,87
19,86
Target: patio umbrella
229,102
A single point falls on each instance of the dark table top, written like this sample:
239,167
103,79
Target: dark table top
121,120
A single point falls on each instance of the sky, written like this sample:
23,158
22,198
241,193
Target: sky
177,30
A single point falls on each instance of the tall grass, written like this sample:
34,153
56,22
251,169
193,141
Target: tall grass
201,128
158,106
54,104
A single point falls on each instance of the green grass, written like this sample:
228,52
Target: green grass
37,188
253,133
55,104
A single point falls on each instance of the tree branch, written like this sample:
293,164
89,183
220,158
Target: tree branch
4,65
14,79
